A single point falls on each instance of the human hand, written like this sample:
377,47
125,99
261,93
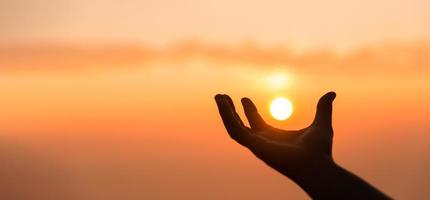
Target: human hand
291,152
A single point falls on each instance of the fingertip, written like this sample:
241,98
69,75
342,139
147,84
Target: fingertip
229,101
221,102
331,95
226,97
245,100
218,97
248,105
324,110
327,98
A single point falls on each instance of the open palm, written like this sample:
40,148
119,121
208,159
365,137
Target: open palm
289,152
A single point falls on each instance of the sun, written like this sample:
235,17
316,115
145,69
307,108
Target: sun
281,108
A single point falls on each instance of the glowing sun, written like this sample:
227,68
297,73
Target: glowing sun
281,108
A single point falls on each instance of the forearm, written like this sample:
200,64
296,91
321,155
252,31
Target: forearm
327,180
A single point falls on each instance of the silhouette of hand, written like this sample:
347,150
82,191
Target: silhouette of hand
289,152
302,155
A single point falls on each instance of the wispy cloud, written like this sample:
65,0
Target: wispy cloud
379,57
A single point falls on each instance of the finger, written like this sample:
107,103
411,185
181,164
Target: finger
233,109
230,101
323,116
254,118
234,128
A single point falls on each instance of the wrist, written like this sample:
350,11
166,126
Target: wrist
320,165
318,176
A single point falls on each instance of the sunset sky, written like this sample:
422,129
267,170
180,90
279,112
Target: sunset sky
114,100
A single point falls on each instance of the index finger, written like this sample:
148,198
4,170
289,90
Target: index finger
234,127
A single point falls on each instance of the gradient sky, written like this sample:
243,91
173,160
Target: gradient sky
108,100
303,24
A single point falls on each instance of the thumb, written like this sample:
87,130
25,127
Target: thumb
323,115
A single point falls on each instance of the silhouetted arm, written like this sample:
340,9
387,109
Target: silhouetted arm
305,155
327,180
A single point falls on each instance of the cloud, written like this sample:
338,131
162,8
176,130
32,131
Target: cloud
385,57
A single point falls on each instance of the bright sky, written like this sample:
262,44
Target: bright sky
91,108
303,24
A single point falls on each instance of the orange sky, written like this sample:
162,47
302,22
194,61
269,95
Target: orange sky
109,119
102,100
